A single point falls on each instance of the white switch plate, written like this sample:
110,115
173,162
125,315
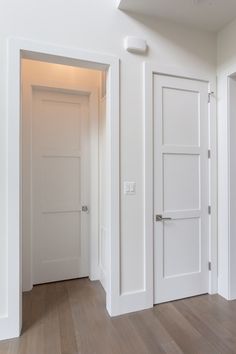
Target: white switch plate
129,188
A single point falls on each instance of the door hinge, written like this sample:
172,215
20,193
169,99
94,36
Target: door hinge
209,154
209,96
209,209
209,266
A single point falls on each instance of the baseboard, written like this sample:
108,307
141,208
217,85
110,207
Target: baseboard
8,329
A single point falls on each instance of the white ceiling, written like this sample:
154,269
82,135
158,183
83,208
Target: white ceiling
210,15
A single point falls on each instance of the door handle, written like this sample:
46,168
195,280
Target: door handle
85,208
160,218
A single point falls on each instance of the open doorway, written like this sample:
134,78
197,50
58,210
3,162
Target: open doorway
22,49
63,162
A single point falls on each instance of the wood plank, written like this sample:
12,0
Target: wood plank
70,318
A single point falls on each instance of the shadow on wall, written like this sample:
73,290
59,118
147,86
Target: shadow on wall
226,53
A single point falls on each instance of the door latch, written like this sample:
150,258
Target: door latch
85,208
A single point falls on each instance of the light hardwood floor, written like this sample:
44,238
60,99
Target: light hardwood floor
70,318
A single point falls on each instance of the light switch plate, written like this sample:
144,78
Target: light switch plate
129,188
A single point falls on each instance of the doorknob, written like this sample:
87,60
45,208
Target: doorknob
85,208
160,218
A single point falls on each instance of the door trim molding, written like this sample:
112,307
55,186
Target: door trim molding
10,325
148,161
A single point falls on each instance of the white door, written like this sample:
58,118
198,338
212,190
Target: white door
59,186
181,188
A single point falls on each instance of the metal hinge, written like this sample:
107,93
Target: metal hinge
209,266
209,210
209,154
209,96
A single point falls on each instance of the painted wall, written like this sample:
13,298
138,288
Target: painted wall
232,184
226,57
99,26
51,75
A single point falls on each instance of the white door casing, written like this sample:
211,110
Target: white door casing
180,188
10,325
60,184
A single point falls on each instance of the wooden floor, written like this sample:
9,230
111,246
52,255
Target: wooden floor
70,318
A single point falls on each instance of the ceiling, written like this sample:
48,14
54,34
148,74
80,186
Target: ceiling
210,15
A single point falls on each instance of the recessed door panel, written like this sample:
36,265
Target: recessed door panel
54,228
59,123
181,182
61,182
179,260
181,116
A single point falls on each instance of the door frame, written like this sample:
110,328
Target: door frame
149,71
26,128
21,48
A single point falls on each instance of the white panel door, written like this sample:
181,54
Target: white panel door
59,186
181,188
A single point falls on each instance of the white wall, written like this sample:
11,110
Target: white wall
99,26
232,184
226,57
51,75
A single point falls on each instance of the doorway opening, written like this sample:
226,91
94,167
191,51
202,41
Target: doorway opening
64,199
63,163
19,50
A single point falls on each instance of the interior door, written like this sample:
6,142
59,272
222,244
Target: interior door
59,185
181,188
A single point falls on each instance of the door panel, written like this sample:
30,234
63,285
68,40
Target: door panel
180,187
177,259
60,124
59,176
54,228
180,109
61,183
182,191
